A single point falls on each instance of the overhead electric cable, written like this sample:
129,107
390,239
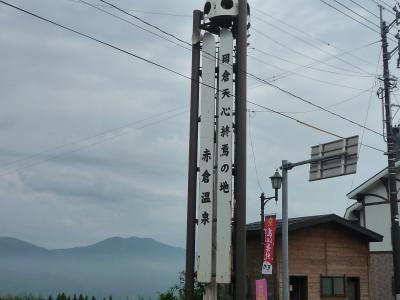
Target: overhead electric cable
365,9
328,106
294,71
306,33
187,77
93,6
355,19
307,66
313,104
320,61
254,156
308,77
145,22
309,125
356,13
86,139
383,3
68,153
160,13
133,24
308,43
344,13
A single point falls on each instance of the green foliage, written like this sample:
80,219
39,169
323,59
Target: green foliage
60,296
177,292
25,297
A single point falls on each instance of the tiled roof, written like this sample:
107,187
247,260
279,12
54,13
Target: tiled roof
309,221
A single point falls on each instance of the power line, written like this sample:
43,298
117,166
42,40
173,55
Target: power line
384,5
366,118
163,31
388,7
254,156
328,106
320,61
94,6
344,13
313,104
308,43
323,41
309,67
160,13
365,9
309,125
38,154
308,77
96,40
147,23
354,13
140,27
131,23
66,154
187,77
289,73
357,14
251,75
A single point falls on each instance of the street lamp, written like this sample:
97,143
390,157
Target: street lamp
276,181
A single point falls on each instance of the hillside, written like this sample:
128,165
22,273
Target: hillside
117,266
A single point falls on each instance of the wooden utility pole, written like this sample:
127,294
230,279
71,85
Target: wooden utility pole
241,137
391,154
192,171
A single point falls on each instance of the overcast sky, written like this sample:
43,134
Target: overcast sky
94,142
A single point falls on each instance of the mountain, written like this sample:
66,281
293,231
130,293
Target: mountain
140,247
11,246
116,266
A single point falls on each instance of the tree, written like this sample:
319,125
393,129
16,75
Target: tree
177,292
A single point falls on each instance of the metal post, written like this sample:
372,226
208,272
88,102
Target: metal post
241,118
262,232
285,233
394,209
192,171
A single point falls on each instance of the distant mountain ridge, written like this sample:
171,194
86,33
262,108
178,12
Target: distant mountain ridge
13,246
116,266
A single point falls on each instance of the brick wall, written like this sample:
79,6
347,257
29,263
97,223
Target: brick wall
381,272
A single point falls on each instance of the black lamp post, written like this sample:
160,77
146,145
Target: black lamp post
276,181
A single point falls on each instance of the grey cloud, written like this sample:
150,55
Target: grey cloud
60,88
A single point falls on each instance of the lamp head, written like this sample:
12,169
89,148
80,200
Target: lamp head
276,180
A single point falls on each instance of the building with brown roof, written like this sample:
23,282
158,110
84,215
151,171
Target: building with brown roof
328,259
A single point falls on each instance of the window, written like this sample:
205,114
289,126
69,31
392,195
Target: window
332,287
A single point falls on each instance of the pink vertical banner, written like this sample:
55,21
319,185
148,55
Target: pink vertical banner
261,289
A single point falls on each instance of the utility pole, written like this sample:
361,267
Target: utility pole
391,153
241,125
285,232
192,171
